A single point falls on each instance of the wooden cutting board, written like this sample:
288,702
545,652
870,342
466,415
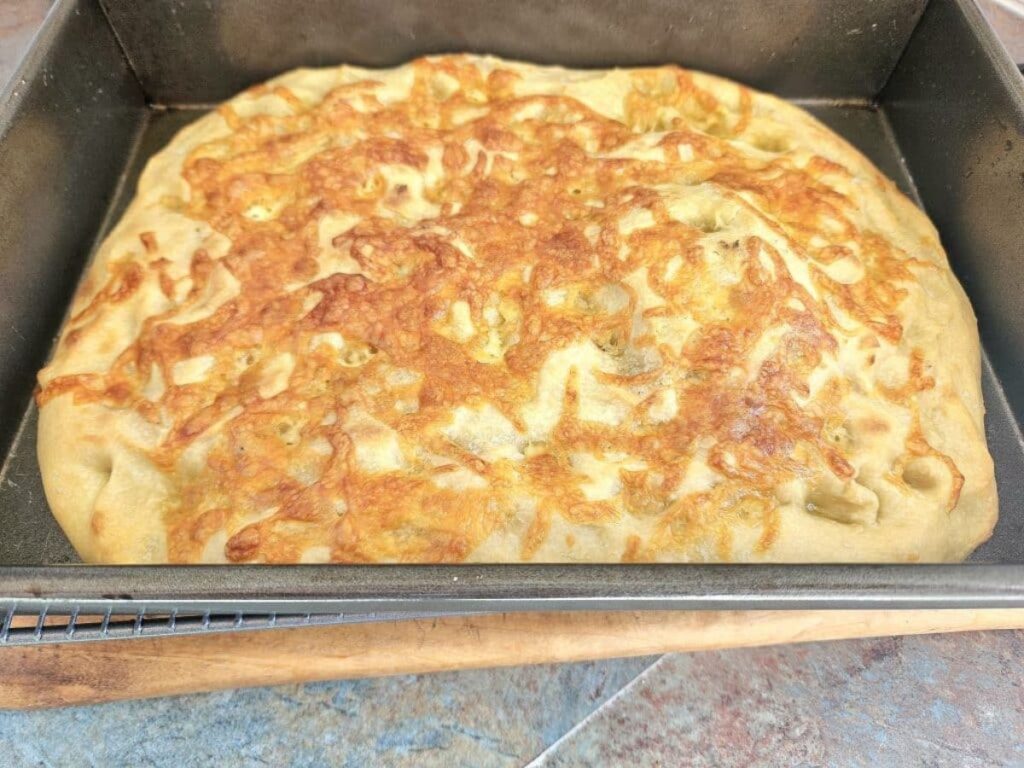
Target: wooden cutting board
89,672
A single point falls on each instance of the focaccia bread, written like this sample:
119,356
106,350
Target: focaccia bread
475,310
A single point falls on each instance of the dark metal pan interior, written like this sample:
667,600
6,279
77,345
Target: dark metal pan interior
947,128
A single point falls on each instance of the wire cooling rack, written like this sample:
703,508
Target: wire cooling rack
41,627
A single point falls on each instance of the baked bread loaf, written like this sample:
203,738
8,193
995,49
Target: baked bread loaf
475,310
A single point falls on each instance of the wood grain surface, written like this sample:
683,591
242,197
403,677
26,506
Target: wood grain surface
88,672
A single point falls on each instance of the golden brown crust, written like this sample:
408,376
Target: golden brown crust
469,309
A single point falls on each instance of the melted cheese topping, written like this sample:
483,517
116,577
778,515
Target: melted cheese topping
469,309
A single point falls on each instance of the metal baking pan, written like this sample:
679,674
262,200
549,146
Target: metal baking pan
924,89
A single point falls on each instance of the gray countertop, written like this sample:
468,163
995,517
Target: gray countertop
947,700
955,700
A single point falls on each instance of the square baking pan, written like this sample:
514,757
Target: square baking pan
923,88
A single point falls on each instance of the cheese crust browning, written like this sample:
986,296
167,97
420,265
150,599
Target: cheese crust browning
476,310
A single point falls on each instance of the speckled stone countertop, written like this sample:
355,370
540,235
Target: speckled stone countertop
952,700
947,700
